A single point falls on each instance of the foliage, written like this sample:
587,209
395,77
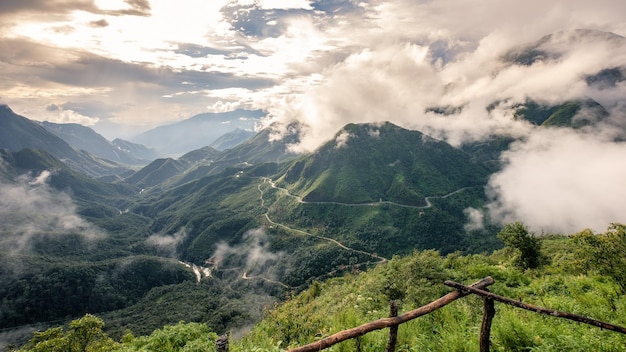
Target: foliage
86,335
182,337
605,253
72,288
414,280
83,335
526,245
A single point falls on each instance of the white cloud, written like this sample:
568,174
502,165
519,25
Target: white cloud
475,219
285,4
70,116
342,139
253,253
167,244
30,208
559,180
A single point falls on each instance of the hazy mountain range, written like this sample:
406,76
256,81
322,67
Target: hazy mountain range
198,131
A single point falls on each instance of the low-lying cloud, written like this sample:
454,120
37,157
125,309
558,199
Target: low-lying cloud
561,181
254,252
167,245
29,207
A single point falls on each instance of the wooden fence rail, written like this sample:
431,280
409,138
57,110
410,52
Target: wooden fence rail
536,309
389,322
478,288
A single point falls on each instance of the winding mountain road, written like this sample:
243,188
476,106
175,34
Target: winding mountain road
324,238
328,239
302,201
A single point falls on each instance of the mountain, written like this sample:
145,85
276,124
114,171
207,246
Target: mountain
198,131
376,188
554,46
208,161
157,172
574,114
368,162
139,151
232,139
84,189
18,132
226,211
84,138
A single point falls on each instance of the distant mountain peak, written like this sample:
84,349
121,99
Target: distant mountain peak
197,131
553,46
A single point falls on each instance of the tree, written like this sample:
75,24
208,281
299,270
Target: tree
605,253
84,335
526,245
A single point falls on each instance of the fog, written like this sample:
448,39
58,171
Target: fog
30,207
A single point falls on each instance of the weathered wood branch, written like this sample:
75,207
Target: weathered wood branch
537,309
389,322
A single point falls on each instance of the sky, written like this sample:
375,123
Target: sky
124,66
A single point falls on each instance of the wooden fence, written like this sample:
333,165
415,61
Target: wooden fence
477,288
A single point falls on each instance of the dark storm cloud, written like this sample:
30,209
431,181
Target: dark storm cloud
95,71
251,20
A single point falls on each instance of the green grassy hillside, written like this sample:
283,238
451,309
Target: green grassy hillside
570,282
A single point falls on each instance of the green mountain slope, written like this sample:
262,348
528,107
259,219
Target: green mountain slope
208,161
368,163
232,139
418,188
574,114
415,280
84,138
18,132
157,172
567,282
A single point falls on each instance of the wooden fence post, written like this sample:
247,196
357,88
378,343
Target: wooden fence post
489,311
221,345
393,330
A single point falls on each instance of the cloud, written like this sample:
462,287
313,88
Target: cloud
167,245
475,219
60,115
30,208
406,85
561,181
53,8
99,23
41,6
253,253
342,139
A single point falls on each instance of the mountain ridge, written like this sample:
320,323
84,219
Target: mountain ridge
19,132
197,131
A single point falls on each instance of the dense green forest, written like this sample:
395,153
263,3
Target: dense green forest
582,273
